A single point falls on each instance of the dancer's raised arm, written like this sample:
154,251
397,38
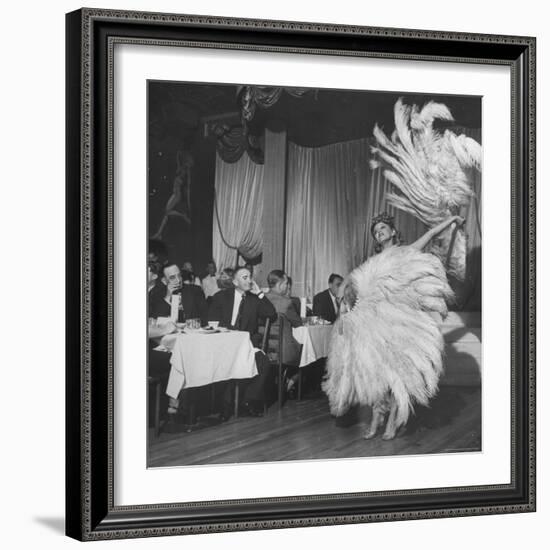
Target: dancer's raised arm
421,243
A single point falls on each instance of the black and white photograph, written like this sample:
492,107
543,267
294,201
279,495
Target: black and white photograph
314,273
271,279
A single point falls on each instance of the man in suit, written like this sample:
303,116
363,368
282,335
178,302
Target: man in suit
326,304
179,282
155,288
243,307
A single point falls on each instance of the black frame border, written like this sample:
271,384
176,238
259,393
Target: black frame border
90,38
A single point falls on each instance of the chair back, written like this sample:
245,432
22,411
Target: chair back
272,339
272,346
264,330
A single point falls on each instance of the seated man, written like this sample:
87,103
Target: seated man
326,304
243,307
179,282
277,281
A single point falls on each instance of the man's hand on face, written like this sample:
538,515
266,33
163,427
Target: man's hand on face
254,288
170,289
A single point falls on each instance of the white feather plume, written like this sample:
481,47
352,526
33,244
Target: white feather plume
429,171
391,340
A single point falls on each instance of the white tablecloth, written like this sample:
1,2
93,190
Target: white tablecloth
201,359
315,342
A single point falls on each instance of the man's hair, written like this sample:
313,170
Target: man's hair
229,271
240,268
167,265
158,249
186,276
154,267
274,277
334,276
289,279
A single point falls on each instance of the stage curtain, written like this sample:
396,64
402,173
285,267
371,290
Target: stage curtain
327,195
332,197
233,142
238,209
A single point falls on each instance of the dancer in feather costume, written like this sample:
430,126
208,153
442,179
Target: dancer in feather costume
430,171
386,350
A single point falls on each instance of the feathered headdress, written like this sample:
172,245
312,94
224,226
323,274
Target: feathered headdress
429,170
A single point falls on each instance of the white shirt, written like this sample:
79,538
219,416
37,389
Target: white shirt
239,297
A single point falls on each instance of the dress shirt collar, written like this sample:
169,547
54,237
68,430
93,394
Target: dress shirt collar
237,298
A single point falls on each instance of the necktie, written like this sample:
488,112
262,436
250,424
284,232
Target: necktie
240,313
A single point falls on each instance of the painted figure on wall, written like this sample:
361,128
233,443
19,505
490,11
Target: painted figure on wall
179,204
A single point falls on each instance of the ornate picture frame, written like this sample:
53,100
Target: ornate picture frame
91,511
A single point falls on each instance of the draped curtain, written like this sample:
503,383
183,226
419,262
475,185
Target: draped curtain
238,209
233,142
333,195
326,200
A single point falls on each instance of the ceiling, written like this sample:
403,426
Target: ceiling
178,109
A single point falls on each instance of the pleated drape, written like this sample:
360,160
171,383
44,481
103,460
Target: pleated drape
332,197
326,202
238,208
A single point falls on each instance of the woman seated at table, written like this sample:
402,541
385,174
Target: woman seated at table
277,280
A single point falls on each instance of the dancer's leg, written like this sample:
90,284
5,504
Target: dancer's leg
391,427
378,411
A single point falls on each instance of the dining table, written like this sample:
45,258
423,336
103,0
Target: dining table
315,340
200,357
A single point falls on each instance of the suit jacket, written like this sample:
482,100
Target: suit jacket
323,306
192,300
292,350
153,296
254,310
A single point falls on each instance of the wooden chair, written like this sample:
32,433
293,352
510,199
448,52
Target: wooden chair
155,382
272,346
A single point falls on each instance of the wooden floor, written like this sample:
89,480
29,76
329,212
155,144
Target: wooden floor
305,429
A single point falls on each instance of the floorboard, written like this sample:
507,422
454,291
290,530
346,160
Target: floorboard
305,430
